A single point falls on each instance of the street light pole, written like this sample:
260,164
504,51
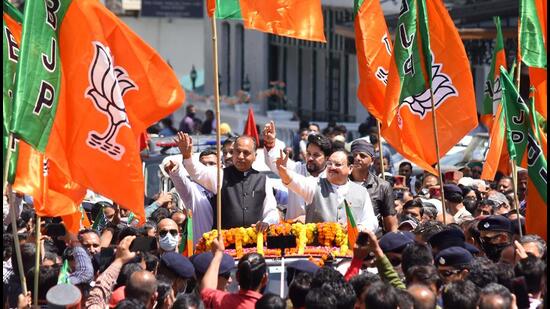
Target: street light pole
193,76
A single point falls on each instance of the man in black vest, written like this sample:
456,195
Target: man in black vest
247,195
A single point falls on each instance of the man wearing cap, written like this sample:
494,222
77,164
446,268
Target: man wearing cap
450,237
495,235
178,269
380,191
325,197
453,199
202,261
246,193
453,264
318,149
393,244
297,267
500,202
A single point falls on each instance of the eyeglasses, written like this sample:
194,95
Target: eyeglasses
448,273
164,232
337,165
226,276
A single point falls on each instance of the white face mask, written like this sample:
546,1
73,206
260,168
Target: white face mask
169,242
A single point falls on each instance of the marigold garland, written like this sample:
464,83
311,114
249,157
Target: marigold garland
312,239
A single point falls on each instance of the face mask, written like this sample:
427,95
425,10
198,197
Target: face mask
168,242
493,251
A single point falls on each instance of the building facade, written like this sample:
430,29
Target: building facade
321,79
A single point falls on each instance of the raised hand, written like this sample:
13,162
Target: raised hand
171,166
282,160
185,144
269,135
281,167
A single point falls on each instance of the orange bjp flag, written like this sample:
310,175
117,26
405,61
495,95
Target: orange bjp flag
103,87
497,158
54,194
374,51
300,19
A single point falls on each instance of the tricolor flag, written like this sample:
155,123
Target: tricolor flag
525,149
353,232
186,245
91,87
493,87
533,48
374,50
428,51
299,19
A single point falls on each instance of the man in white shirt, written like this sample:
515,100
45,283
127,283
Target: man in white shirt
247,195
318,150
325,196
194,196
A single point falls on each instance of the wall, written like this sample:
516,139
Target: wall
179,40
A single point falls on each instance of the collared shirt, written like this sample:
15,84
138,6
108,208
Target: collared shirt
296,204
206,176
381,194
196,198
84,272
220,299
306,187
462,215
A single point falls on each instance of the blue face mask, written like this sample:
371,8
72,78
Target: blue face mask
168,242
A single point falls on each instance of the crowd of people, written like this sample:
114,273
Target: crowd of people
413,250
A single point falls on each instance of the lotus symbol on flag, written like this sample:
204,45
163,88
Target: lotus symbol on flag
442,87
108,84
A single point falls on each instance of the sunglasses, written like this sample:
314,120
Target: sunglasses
164,232
447,273
226,276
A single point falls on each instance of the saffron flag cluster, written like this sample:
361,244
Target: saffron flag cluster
428,60
91,87
299,19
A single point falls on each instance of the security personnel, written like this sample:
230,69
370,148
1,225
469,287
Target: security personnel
453,264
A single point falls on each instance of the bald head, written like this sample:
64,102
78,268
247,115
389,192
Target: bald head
167,224
495,296
424,297
142,286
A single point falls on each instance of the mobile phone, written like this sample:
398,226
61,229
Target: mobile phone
519,288
281,242
435,192
399,181
55,230
362,239
106,257
143,244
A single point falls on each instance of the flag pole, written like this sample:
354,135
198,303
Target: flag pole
434,121
7,165
380,149
16,241
218,130
514,167
37,260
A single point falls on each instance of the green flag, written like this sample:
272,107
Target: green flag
64,273
532,33
11,39
517,118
